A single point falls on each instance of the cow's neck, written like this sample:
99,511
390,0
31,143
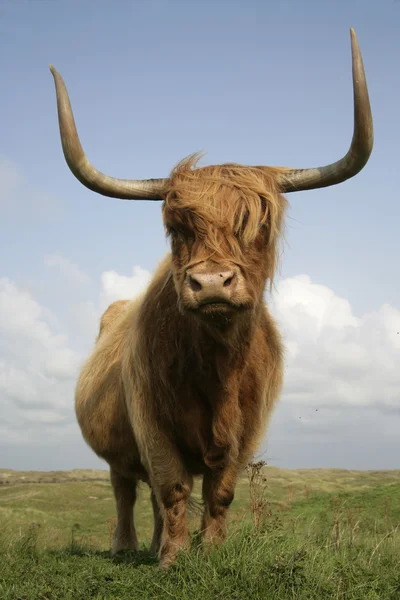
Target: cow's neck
217,350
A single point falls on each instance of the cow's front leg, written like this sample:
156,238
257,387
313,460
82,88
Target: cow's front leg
169,480
221,458
171,485
218,493
175,534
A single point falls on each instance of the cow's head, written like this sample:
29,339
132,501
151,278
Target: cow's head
224,221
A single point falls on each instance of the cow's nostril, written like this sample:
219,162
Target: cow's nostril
194,284
228,282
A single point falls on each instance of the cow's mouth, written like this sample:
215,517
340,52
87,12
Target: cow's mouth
216,306
218,309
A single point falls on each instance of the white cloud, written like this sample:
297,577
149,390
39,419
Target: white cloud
335,358
308,308
120,287
20,311
37,367
68,269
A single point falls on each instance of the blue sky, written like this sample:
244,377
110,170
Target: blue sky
150,82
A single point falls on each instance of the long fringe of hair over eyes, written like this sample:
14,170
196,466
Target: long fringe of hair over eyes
231,198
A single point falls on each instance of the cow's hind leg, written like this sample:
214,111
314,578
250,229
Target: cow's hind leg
125,495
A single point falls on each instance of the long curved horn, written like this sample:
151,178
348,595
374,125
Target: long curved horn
295,180
127,189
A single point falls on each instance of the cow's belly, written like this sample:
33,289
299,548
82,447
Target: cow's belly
104,422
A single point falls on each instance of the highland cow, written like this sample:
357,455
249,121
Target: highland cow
183,379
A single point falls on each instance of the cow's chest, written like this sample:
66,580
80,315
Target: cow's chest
198,408
193,417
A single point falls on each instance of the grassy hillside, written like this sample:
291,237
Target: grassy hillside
299,534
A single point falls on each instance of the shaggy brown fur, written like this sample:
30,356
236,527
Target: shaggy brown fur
174,387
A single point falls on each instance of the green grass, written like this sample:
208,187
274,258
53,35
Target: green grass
324,534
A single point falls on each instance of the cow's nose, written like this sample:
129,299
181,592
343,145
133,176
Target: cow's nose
218,285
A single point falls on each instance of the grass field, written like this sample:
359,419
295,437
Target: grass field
307,534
